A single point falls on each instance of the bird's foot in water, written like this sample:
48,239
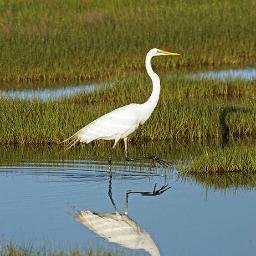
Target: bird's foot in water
158,160
128,159
154,160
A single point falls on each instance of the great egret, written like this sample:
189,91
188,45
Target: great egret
121,122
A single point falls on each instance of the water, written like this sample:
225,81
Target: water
233,74
48,93
38,200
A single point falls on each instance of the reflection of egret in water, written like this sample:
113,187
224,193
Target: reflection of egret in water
118,227
225,131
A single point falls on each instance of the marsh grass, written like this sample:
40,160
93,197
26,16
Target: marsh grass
188,110
12,249
241,158
76,40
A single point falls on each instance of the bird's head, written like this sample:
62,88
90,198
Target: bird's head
158,52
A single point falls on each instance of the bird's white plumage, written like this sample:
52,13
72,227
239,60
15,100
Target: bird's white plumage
120,125
123,121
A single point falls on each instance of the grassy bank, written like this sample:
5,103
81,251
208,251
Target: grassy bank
188,110
77,40
231,159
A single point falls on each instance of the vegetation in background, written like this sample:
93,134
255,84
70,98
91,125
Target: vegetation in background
78,40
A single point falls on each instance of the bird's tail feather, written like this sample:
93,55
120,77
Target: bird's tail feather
68,139
71,141
82,135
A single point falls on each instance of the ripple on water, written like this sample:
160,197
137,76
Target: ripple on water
79,171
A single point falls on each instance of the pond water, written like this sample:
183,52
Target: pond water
48,93
41,202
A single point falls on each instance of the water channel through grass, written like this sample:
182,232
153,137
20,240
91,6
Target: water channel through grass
57,92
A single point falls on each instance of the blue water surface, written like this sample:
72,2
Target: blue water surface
37,201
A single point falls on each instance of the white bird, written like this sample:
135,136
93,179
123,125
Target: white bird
123,121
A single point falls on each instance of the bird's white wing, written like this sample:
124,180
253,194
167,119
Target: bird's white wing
114,125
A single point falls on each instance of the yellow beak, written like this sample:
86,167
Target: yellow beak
169,53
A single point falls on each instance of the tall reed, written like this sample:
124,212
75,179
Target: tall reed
188,110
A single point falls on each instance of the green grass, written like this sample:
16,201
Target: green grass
235,156
188,110
241,158
12,249
78,40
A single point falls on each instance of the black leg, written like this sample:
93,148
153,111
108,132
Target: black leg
154,159
110,189
110,160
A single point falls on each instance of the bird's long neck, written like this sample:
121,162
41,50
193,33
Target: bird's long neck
153,99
